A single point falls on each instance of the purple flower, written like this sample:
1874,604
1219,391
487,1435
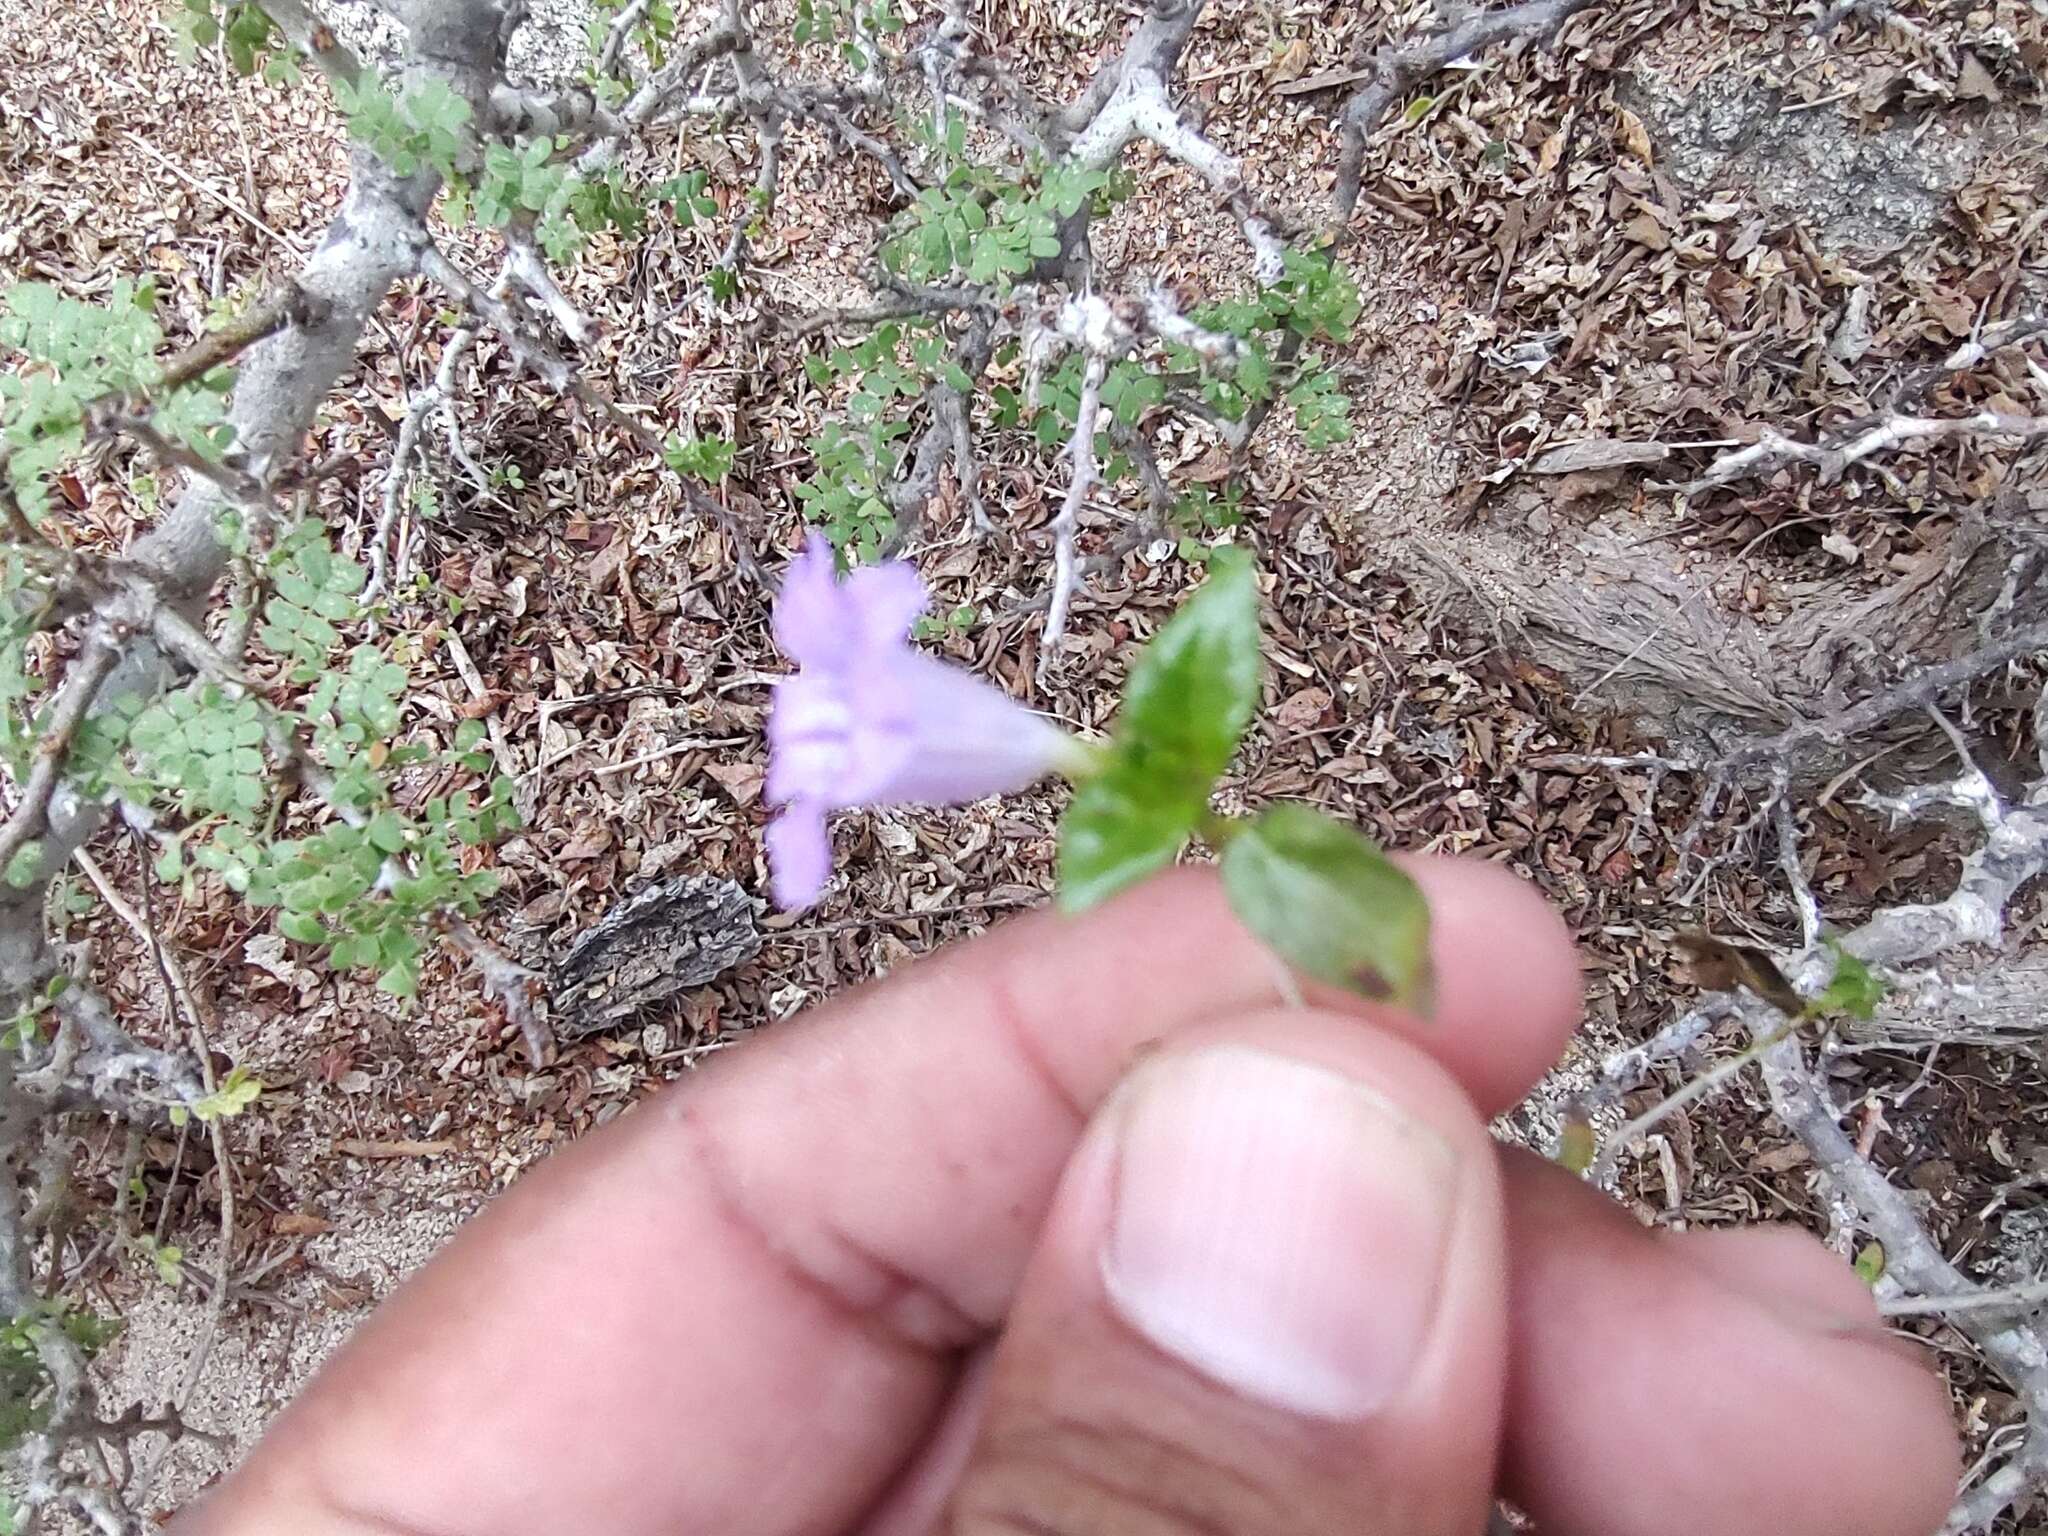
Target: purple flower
869,721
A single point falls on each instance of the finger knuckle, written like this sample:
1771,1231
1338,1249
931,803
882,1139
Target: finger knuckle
1069,1478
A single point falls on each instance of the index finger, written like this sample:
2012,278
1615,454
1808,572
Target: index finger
739,1307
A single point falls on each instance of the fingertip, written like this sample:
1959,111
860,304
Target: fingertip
1269,1295
1901,1425
1498,942
1778,1266
1508,989
1732,1375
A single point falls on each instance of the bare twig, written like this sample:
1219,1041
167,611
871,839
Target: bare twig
520,991
2014,853
438,397
1880,14
1081,455
183,1002
620,31
561,376
523,263
1773,450
761,202
2003,1298
1140,110
1989,340
1604,1166
1914,692
315,39
233,205
289,305
81,687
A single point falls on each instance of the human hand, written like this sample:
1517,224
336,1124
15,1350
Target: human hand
1075,1229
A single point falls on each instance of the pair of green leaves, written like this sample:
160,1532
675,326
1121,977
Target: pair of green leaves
1319,894
706,458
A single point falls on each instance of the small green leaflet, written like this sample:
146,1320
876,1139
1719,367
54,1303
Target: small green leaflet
1575,1145
707,458
26,864
1852,990
1190,696
1327,901
1120,829
1193,691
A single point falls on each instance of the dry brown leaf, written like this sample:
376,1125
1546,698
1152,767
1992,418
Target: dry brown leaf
608,562
591,839
1719,965
1597,453
1292,61
1323,80
1975,82
350,1146
1300,711
1645,230
1635,138
740,780
1583,484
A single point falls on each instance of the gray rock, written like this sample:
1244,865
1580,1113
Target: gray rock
1855,190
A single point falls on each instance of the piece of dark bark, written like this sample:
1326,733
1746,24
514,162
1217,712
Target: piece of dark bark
654,945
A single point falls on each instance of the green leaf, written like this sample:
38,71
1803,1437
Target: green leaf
1195,688
387,831
1852,989
1869,1263
26,864
1327,901
301,926
169,1259
708,458
1119,829
1575,1145
1255,372
237,1091
1190,697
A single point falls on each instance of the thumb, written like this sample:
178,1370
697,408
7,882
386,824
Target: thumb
1269,1300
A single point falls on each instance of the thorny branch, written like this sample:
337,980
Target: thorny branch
82,682
439,397
1103,331
2013,853
293,347
1396,68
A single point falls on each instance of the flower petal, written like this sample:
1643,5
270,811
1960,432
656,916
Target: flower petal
968,738
809,732
839,735
799,856
812,617
886,600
